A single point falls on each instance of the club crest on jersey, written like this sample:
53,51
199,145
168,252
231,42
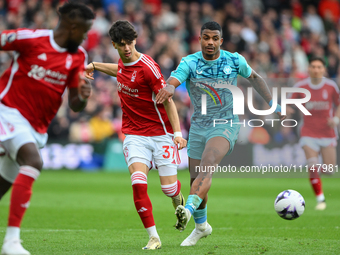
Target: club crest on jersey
227,70
68,61
134,76
324,94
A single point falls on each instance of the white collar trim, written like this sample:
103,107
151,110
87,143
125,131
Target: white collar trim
318,86
54,44
132,63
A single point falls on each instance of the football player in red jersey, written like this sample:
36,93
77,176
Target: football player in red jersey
45,63
152,130
319,133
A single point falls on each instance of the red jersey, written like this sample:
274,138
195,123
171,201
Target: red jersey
138,83
40,72
324,98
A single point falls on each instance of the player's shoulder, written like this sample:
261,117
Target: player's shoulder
82,52
302,83
330,83
150,65
193,57
225,53
25,33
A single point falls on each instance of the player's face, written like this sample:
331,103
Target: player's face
211,42
78,34
316,69
126,50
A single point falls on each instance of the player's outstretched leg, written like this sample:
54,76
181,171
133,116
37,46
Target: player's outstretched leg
174,191
202,228
30,163
315,181
183,214
144,209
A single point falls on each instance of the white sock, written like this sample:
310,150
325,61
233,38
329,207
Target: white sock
12,232
152,232
320,198
201,226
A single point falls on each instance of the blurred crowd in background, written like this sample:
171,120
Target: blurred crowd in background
277,37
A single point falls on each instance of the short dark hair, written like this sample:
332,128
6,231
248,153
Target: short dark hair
212,25
122,30
316,58
73,10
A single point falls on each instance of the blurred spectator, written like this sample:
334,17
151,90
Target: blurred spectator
276,37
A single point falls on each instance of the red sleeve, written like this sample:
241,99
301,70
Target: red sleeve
20,40
336,97
79,67
153,75
294,95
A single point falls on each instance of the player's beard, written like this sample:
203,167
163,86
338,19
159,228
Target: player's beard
72,46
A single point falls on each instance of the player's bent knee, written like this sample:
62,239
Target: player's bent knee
36,162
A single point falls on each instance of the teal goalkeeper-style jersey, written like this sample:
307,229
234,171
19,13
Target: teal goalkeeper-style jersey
202,76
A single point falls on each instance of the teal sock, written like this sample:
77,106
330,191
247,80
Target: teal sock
200,215
193,203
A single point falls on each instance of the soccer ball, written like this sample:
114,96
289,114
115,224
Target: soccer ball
289,204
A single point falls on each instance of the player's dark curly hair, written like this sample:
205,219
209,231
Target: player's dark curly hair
122,30
74,9
315,58
212,25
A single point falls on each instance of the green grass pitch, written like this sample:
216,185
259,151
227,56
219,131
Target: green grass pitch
81,213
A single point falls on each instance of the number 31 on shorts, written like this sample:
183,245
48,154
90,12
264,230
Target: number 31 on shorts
167,153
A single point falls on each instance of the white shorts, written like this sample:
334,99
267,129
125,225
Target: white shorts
15,131
317,143
147,149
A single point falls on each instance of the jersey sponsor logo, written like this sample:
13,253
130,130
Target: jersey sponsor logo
68,61
317,105
204,86
324,94
39,72
126,90
227,70
134,76
42,57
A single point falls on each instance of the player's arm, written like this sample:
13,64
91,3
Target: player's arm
77,96
333,122
168,91
176,78
171,111
109,69
261,87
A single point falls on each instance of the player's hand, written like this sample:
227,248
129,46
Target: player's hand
331,123
180,142
290,111
165,94
89,71
282,117
84,87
